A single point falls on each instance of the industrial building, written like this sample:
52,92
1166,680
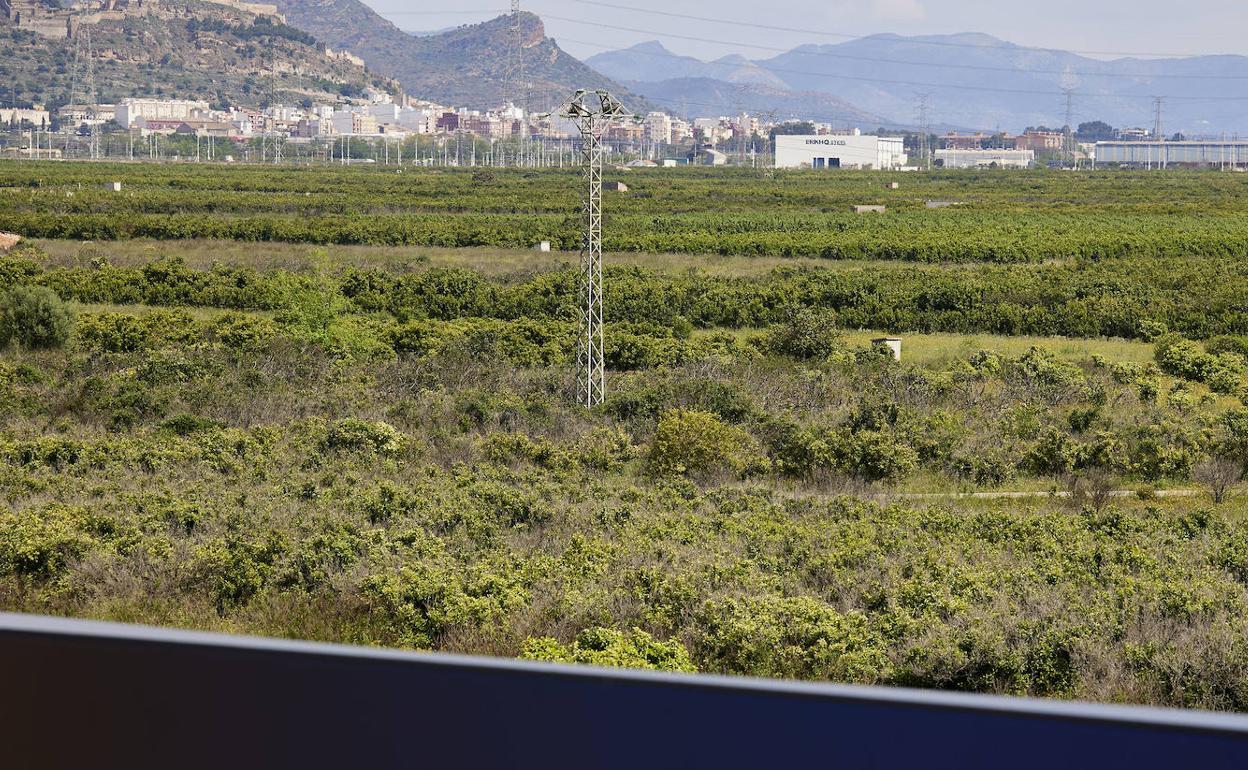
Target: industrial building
985,158
840,151
132,111
1230,154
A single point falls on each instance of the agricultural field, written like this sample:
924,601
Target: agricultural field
335,404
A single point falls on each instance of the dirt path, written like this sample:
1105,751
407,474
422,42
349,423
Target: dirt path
1037,494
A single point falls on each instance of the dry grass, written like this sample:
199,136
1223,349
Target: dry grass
493,262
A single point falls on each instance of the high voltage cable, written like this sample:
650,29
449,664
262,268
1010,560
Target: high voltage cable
446,13
948,86
847,36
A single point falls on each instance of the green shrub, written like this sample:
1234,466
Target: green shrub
113,332
985,468
789,638
692,442
806,334
1054,454
354,434
34,317
236,567
1223,372
420,602
609,647
875,456
189,424
41,543
1228,343
243,332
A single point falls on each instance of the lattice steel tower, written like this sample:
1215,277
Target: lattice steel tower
592,111
82,90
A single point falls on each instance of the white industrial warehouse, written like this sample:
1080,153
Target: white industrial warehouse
985,158
1162,154
840,151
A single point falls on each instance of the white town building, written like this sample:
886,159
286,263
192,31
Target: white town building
129,111
839,151
659,127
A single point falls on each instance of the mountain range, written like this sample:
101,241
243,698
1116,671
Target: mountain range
466,66
702,96
973,80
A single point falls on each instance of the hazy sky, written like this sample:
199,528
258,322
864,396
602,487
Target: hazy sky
1129,26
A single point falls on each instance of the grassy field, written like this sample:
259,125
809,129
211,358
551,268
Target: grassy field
489,261
379,444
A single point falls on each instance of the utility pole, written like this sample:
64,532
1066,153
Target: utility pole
93,117
592,111
924,130
82,91
1158,133
1069,139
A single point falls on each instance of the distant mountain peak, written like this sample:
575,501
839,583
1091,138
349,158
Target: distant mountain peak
963,38
466,66
651,46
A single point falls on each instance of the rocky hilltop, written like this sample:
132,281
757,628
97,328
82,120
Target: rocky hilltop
468,65
223,53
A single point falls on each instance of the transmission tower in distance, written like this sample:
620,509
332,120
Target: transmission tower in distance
925,129
1069,132
83,92
592,111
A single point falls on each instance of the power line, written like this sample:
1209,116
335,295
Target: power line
445,13
875,60
1068,139
924,102
848,36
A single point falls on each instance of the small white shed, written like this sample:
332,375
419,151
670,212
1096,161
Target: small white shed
892,343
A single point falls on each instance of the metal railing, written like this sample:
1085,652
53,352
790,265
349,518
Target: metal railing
85,694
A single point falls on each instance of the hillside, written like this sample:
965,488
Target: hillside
652,61
732,84
464,66
974,80
986,82
188,50
708,97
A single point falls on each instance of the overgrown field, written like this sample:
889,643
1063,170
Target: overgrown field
1006,217
387,453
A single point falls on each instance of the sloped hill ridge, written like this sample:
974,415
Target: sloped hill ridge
983,81
975,80
652,61
190,50
707,97
466,66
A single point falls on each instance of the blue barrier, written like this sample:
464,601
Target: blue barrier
85,694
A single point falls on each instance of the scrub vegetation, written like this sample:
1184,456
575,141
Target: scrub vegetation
388,454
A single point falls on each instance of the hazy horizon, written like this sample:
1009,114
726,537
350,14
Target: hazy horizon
1109,29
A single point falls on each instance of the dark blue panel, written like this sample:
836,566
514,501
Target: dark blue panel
81,694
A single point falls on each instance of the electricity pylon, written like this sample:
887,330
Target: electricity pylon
592,111
82,89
